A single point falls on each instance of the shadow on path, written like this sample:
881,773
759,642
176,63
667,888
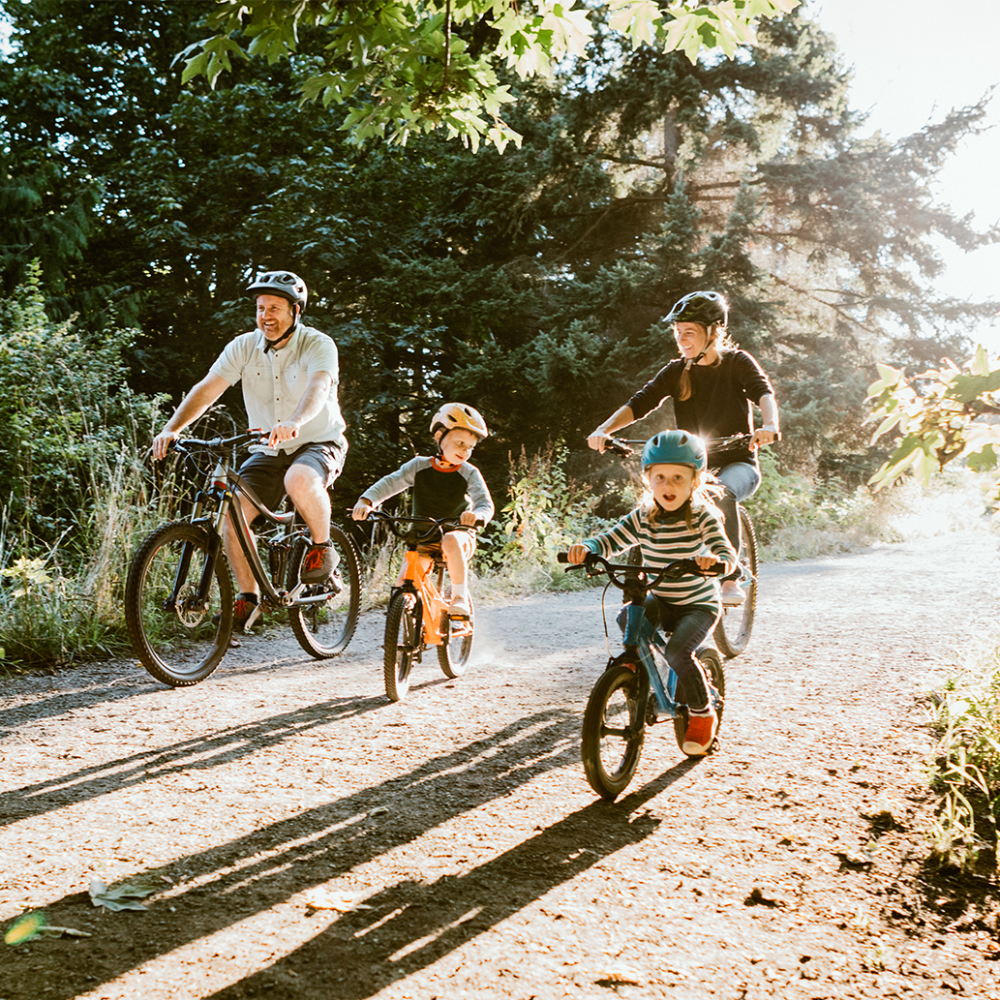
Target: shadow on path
220,886
189,756
412,924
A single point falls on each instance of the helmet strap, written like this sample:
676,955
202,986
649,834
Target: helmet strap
445,431
273,345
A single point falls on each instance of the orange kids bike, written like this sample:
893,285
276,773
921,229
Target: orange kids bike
417,616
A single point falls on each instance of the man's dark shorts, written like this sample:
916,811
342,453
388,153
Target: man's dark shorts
266,473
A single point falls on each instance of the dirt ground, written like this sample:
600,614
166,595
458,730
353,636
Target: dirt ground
309,840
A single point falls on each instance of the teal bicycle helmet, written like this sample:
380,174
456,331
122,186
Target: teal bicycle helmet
706,308
674,448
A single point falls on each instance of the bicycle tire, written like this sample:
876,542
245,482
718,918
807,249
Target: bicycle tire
712,663
181,644
732,634
453,654
613,732
324,629
402,639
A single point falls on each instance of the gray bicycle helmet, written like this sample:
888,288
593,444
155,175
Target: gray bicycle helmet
706,308
674,448
284,283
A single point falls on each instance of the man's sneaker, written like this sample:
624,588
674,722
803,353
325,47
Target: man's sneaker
461,607
700,734
243,608
319,563
732,594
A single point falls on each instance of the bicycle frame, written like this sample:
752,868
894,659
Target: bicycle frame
223,497
648,644
418,572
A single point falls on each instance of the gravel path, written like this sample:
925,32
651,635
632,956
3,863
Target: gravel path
309,840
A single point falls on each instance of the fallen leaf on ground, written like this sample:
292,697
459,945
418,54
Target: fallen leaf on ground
321,899
123,896
25,928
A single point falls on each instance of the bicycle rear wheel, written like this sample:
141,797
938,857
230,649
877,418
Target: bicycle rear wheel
613,732
733,631
712,664
178,639
455,650
325,628
402,639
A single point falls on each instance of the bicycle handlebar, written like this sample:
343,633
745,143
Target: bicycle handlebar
435,526
217,443
627,447
595,565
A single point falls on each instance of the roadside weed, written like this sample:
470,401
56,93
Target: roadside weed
965,715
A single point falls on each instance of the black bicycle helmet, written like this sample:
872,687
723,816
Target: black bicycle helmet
284,283
706,308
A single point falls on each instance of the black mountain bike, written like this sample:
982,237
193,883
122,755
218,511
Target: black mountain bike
179,592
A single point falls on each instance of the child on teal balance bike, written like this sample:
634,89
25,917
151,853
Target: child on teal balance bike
679,522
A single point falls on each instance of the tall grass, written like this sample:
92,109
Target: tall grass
60,603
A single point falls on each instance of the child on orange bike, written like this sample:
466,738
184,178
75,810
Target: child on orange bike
445,485
680,521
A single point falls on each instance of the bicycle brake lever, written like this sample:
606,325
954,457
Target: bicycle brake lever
617,447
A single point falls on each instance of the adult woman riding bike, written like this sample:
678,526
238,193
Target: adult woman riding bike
713,385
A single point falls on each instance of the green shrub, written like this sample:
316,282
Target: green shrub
78,491
546,512
799,519
70,422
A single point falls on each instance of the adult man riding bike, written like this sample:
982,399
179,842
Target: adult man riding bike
713,385
289,373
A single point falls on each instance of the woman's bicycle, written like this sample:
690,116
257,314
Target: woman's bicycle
179,592
732,634
638,687
417,616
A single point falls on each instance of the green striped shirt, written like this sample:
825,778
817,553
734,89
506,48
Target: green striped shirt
667,539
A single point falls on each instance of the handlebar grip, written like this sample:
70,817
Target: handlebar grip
562,557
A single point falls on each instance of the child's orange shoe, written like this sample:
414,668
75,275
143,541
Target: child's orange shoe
700,733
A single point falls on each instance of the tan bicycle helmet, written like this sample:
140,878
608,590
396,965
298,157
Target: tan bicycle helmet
459,416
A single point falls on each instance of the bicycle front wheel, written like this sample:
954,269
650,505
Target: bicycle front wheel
733,631
613,732
402,638
179,636
324,628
